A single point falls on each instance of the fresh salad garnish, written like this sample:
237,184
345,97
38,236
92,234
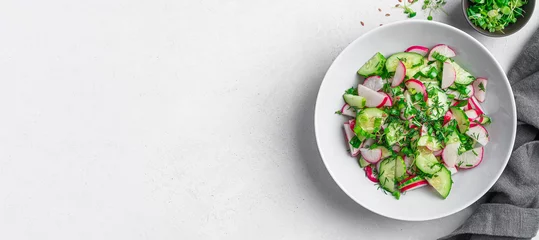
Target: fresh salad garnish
495,15
416,119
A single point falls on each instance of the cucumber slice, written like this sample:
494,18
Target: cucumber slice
441,181
394,133
463,122
410,73
375,66
362,162
400,168
410,60
355,101
369,120
463,77
437,103
427,163
452,138
387,175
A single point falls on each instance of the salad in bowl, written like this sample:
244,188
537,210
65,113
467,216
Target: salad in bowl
416,119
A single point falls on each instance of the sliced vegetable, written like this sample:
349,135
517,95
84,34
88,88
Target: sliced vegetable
387,174
371,174
479,134
372,98
375,66
462,120
371,155
470,159
347,110
400,73
400,168
441,52
355,101
480,89
409,59
369,120
418,86
450,154
374,82
427,164
349,136
423,51
441,181
449,75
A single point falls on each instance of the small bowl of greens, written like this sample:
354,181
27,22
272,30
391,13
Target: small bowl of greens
498,18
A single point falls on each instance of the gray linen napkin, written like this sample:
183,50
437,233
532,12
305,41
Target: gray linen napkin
512,211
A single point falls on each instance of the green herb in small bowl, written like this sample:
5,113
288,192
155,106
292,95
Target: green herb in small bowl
498,18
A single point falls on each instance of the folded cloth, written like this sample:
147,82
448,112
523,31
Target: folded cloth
512,210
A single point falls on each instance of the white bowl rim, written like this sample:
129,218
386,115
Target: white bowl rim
511,97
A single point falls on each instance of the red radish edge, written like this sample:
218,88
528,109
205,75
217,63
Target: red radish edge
414,186
346,110
418,86
369,172
475,105
371,155
448,51
419,50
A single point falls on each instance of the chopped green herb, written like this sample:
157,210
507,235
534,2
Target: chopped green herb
355,142
338,112
495,15
481,87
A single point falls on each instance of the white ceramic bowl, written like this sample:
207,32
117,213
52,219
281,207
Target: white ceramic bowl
424,203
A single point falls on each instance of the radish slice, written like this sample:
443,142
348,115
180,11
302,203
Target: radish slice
389,102
371,155
443,50
418,86
374,99
479,134
472,114
470,159
352,123
480,89
349,135
438,153
450,154
396,148
346,110
400,72
475,105
447,117
386,99
449,75
414,186
375,83
419,50
371,175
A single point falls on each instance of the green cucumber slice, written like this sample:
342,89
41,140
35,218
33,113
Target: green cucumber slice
387,175
427,163
362,162
409,59
400,168
441,181
463,122
354,100
375,66
437,104
369,120
394,133
463,77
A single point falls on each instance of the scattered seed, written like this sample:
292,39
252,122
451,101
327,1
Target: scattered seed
387,15
410,1
362,24
398,5
400,0
381,24
379,10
